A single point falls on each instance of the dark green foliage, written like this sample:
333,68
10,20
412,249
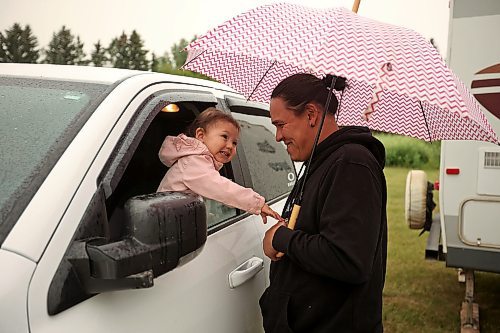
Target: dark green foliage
171,64
98,56
164,63
154,62
167,65
125,52
79,54
169,70
119,53
18,45
178,53
409,152
138,53
407,156
65,49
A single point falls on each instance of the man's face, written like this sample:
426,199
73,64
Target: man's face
294,130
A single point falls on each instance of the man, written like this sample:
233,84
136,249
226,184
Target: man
332,274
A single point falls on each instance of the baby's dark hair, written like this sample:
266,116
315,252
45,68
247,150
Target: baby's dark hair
209,117
299,89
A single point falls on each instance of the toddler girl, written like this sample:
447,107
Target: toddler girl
195,158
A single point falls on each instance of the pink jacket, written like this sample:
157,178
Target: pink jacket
193,168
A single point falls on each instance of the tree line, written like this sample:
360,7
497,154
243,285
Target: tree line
18,44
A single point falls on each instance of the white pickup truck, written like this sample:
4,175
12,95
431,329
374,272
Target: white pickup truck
86,245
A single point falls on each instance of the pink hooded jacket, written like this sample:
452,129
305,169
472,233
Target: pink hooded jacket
193,168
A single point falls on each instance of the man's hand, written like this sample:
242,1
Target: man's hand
267,244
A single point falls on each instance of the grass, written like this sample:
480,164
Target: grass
409,152
425,296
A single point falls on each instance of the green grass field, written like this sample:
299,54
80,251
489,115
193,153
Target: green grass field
425,296
403,151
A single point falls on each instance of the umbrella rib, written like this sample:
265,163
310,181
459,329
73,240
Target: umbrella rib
190,61
262,78
425,119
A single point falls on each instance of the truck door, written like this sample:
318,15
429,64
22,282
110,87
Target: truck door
214,290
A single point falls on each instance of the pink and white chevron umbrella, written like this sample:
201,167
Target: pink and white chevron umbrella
396,80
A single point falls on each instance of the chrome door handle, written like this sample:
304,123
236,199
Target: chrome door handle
245,271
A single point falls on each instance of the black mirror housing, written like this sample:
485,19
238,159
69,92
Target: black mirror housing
160,229
170,224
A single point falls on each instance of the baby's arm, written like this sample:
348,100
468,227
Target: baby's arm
200,176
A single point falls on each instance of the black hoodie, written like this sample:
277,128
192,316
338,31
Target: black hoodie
333,272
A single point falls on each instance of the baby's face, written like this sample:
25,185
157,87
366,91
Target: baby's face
221,139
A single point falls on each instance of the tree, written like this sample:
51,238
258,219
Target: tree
18,45
79,54
165,64
65,49
137,52
98,56
119,53
172,66
125,52
178,53
154,63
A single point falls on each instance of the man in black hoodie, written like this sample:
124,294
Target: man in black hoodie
332,274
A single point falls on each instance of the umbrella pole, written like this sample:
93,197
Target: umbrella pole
337,114
298,200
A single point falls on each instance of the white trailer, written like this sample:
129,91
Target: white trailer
466,234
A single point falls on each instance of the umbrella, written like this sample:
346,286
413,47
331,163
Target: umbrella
396,80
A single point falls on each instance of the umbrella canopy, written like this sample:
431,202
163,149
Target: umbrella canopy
396,80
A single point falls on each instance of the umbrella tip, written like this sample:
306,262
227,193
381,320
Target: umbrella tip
355,6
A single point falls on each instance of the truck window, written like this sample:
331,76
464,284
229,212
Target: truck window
271,170
143,171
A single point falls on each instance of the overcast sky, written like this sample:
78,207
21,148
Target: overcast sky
161,23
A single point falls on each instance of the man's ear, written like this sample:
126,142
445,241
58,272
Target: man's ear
199,133
312,112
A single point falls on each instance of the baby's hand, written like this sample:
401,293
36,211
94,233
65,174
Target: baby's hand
267,211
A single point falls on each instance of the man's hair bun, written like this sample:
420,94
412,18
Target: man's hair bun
339,82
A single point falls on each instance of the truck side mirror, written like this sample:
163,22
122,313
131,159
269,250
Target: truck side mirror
160,229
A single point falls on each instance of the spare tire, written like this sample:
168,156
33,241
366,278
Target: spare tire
416,199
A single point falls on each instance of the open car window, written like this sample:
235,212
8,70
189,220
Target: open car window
136,168
270,169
